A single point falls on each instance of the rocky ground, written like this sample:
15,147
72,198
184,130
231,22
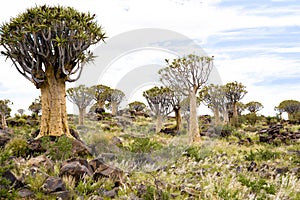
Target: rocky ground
122,158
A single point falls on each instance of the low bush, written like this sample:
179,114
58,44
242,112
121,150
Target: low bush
17,147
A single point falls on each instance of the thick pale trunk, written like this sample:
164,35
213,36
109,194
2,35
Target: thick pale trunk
217,116
193,129
234,114
3,121
81,116
114,109
54,111
159,123
178,119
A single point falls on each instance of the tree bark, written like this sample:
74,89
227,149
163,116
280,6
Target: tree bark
159,123
81,116
3,121
193,129
178,119
54,111
217,116
234,114
114,109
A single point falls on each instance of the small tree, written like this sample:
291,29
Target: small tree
137,106
254,106
48,45
82,97
187,75
234,92
114,99
4,111
159,100
291,107
101,93
21,111
214,97
36,107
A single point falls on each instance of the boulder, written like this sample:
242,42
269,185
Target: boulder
41,160
26,193
53,184
76,167
80,149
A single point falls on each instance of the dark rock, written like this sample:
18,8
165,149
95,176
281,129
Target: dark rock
64,195
53,184
281,170
80,149
74,133
78,168
35,146
95,163
4,138
14,182
111,193
252,166
26,193
41,161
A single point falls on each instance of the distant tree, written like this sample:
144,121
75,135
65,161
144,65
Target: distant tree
176,99
234,92
254,106
21,111
187,75
114,98
48,45
4,111
101,94
82,97
36,107
137,106
291,107
159,100
214,97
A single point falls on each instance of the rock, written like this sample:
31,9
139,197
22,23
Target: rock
14,182
95,163
41,160
78,168
35,146
281,170
80,149
111,193
74,133
4,138
252,166
53,184
63,195
95,197
26,193
117,141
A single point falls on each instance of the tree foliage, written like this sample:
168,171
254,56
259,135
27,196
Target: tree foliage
292,107
137,106
36,106
254,106
101,94
114,98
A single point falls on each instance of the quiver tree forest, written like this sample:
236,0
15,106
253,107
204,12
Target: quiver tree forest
48,46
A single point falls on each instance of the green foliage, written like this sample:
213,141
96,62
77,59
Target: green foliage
144,145
17,147
225,194
257,185
60,149
262,155
152,194
137,106
197,153
88,186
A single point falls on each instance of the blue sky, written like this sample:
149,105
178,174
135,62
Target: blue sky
256,42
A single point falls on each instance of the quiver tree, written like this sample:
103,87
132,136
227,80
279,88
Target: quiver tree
291,107
254,106
176,99
114,98
48,45
21,111
4,112
159,101
36,107
187,75
101,93
82,97
214,97
234,92
137,106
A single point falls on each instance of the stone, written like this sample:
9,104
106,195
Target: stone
78,168
35,146
4,138
63,195
252,166
14,182
41,160
26,193
80,149
53,184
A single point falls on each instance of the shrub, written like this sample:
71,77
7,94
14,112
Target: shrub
261,154
18,147
257,186
144,145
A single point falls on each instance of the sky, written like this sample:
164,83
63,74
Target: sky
255,42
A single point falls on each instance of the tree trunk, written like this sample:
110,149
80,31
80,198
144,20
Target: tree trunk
54,111
81,116
217,116
193,129
3,121
159,123
234,114
114,109
178,119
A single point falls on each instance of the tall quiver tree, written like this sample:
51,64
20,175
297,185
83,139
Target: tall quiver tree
4,112
82,97
214,97
234,92
159,101
101,93
48,45
115,97
187,75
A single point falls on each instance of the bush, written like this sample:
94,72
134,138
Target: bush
261,154
144,145
17,147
